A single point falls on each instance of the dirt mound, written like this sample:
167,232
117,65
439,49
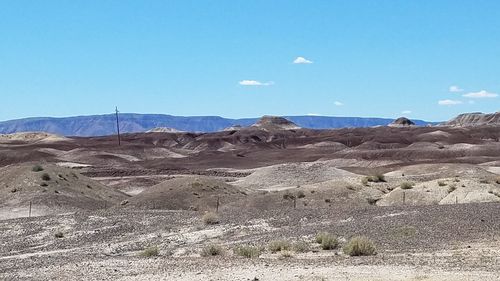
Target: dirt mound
444,191
402,122
475,119
187,193
233,128
275,123
51,190
289,175
31,137
164,130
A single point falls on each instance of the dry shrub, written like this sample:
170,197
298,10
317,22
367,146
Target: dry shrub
150,252
327,241
248,251
359,246
210,218
407,185
37,168
212,250
279,245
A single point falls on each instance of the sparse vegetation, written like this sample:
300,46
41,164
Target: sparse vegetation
484,181
212,250
196,185
372,201
286,254
441,183
406,185
248,251
327,241
497,180
452,187
37,168
364,181
45,177
44,184
288,196
301,247
279,245
404,231
376,178
59,234
359,246
210,218
150,252
301,194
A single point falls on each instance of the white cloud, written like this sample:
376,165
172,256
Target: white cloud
406,112
302,60
456,89
338,103
481,94
313,114
449,102
255,83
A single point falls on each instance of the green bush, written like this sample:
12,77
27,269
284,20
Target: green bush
37,168
359,246
441,183
279,245
248,251
212,250
407,185
150,252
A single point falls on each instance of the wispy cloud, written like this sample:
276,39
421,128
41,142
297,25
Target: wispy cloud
338,103
456,89
255,83
302,60
406,112
481,94
449,102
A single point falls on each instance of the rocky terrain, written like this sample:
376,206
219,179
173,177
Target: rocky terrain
169,205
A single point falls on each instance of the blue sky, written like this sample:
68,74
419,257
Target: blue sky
431,59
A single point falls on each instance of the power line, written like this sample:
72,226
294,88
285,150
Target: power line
118,126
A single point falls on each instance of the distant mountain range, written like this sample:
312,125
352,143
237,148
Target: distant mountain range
100,125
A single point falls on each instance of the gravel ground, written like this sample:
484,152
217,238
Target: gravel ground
448,242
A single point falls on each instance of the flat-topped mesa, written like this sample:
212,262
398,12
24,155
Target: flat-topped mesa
475,119
402,122
275,123
164,130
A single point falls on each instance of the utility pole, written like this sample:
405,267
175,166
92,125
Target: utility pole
118,127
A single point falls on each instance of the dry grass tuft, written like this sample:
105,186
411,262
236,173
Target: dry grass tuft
151,251
210,218
407,185
212,250
327,241
248,251
279,245
359,246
